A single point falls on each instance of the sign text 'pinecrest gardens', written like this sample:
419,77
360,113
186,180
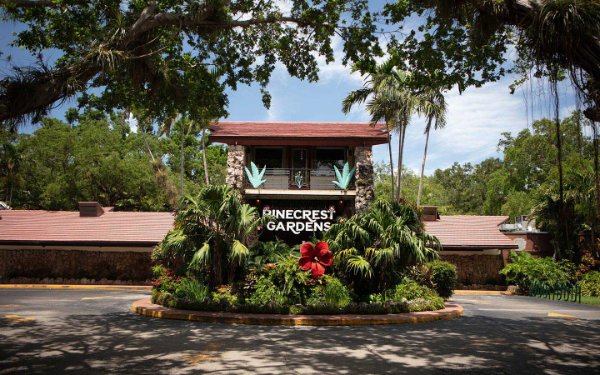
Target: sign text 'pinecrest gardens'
297,221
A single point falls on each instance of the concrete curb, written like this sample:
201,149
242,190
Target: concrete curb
146,308
88,287
482,292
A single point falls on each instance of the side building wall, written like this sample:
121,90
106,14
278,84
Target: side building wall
476,267
41,263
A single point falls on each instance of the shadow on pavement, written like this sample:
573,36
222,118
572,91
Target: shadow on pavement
127,343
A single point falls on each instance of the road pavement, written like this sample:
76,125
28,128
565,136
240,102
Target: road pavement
94,331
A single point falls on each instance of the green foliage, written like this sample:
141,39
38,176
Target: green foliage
331,293
224,297
167,57
343,179
267,293
191,290
590,284
373,248
408,290
524,270
211,235
443,277
269,252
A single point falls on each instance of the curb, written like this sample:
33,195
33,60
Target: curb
88,287
482,292
146,308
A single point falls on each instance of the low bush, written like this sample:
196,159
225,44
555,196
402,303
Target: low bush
525,270
408,290
267,293
442,276
192,290
330,294
590,284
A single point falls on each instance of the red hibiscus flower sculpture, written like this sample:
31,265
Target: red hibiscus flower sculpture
315,258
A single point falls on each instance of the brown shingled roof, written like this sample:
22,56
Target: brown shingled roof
298,133
470,232
68,227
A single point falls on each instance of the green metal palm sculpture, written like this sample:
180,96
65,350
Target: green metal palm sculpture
255,177
343,179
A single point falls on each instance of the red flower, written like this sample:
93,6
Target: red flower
315,258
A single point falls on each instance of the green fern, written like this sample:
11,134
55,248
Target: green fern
343,179
255,177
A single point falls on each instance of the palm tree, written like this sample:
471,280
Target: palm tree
391,102
212,233
433,106
373,249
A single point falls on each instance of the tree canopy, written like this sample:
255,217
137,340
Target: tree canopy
167,57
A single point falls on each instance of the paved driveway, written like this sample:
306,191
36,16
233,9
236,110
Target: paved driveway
74,331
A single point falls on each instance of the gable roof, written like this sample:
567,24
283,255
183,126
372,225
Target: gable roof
37,227
470,232
298,133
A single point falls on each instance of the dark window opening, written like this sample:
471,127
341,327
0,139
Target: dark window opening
326,158
271,157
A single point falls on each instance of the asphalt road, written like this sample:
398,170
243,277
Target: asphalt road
93,331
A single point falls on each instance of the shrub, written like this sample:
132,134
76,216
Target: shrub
524,270
409,290
442,276
590,284
192,290
332,293
224,296
266,293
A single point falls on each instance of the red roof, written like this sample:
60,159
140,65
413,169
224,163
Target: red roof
470,232
67,227
298,133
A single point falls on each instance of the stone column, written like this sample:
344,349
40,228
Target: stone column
365,191
236,160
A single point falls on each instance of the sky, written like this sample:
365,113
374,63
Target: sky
475,119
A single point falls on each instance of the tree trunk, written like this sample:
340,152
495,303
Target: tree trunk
400,153
206,179
423,163
391,163
181,161
596,175
561,193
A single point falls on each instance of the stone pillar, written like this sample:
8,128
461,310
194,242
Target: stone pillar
236,160
365,191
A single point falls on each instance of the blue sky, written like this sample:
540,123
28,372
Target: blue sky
475,119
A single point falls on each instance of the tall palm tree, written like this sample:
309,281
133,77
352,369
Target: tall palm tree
390,101
433,106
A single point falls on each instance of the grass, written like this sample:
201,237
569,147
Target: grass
590,300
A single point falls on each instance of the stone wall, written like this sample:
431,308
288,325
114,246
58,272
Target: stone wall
477,268
363,158
236,159
75,264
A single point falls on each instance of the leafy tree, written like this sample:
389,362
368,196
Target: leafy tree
166,57
95,158
433,106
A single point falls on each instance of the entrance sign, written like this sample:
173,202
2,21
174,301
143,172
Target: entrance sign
297,221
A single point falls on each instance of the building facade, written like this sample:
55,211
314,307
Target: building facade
304,174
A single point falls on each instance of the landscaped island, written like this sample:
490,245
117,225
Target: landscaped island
377,262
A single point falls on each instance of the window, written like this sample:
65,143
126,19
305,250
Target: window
271,157
326,158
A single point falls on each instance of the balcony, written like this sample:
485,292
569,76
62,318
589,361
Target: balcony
309,183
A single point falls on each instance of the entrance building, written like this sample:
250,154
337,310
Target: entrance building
304,174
